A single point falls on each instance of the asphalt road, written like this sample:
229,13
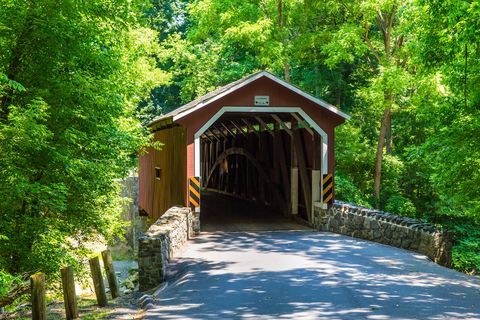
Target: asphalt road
309,275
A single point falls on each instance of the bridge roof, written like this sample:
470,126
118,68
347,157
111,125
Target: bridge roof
233,86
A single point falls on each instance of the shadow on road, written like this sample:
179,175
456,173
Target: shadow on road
226,213
310,275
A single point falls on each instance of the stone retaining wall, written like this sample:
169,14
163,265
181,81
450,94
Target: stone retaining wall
383,227
136,224
161,242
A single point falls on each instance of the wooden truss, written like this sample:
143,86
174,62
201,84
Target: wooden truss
258,157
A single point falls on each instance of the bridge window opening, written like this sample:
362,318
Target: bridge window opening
158,173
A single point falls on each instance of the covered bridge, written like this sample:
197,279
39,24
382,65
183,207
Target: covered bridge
258,138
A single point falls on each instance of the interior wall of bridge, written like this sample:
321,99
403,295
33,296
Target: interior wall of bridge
273,159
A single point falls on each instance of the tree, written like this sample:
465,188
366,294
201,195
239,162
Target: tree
373,31
284,37
71,76
407,72
448,49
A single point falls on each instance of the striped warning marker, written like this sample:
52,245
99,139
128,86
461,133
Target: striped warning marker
327,184
194,191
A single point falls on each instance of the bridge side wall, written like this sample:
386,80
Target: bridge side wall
386,228
162,241
162,173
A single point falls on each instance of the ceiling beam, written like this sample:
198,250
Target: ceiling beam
205,136
221,132
263,125
250,127
282,124
228,130
213,134
303,123
238,128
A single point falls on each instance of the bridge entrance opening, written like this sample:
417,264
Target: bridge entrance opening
222,212
267,163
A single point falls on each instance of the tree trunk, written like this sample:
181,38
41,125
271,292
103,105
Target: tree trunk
287,72
379,156
286,65
388,135
280,14
338,96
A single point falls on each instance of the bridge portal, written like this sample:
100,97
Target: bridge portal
259,139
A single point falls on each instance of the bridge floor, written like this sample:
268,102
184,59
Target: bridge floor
309,275
226,213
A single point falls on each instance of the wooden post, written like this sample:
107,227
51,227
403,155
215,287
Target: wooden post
110,272
69,295
98,281
275,170
37,285
227,173
316,167
302,169
280,157
293,170
261,150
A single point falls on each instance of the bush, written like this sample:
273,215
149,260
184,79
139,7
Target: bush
346,190
466,248
401,206
466,255
7,281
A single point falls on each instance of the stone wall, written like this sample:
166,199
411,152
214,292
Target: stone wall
383,227
136,224
161,242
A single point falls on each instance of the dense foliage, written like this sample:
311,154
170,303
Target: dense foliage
71,76
407,72
77,77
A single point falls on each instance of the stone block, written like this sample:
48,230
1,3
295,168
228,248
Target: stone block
374,225
161,242
386,228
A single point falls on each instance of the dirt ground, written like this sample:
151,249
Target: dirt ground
123,307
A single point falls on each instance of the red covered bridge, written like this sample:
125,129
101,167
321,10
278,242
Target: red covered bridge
258,138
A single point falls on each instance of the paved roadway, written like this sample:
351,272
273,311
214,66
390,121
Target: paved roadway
303,274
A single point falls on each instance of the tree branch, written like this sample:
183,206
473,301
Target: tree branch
398,44
16,292
369,43
264,7
370,62
465,80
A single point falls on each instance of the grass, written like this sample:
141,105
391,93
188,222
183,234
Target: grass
87,309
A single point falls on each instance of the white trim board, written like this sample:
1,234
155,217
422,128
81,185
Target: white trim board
287,85
261,109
